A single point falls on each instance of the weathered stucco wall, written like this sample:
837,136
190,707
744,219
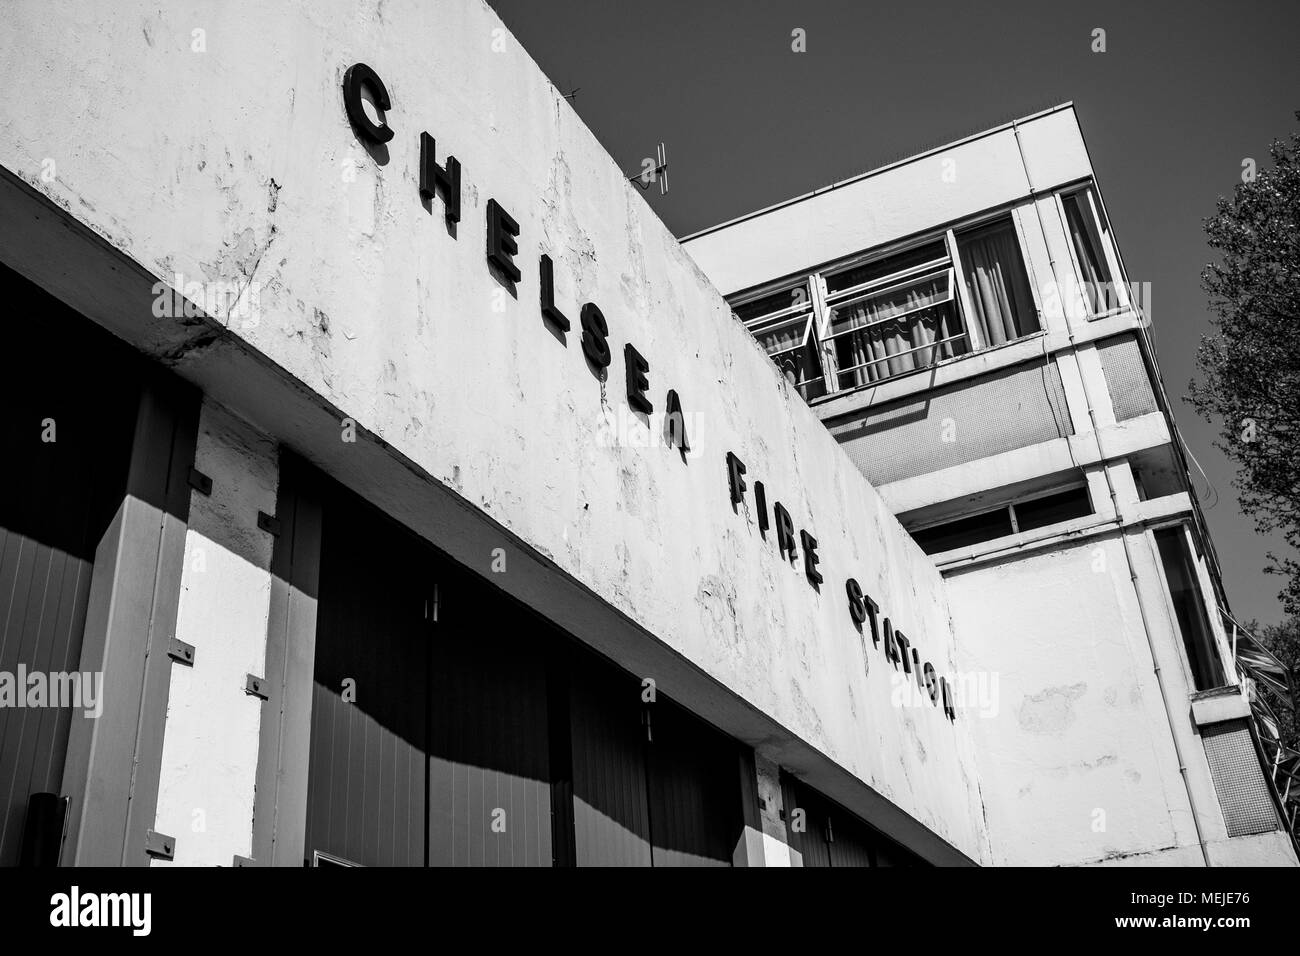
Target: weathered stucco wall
1077,759
236,164
1078,766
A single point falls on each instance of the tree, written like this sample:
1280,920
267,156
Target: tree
1283,640
1250,363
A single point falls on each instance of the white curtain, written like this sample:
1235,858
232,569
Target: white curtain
801,363
1001,300
886,340
1086,251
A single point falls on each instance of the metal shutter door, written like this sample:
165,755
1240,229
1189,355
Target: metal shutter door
366,781
695,800
610,812
56,500
489,774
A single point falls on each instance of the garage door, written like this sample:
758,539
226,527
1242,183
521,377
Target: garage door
451,726
69,401
826,834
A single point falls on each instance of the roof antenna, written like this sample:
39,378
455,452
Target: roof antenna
653,171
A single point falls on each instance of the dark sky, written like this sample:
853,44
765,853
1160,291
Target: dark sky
1184,92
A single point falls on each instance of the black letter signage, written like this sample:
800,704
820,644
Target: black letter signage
595,332
735,471
549,312
501,245
636,366
444,180
358,76
810,559
784,532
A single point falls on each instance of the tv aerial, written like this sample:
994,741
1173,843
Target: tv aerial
650,174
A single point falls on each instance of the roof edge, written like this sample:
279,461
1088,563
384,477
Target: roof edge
754,214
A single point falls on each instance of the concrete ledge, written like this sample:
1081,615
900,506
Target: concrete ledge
1050,457
1031,348
1220,704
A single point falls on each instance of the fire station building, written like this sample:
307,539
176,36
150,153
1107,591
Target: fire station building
385,485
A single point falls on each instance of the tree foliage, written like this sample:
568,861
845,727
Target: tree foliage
1284,641
1249,364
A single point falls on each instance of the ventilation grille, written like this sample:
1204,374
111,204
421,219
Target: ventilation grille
1126,377
1238,779
950,426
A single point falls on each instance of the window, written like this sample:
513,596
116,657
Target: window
1026,515
1189,609
884,316
1089,253
894,315
997,287
783,324
1051,509
964,531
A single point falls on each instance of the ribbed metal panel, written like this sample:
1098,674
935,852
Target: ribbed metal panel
43,594
56,500
489,781
696,810
366,780
610,804
805,822
1239,779
984,416
833,836
484,697
1126,377
443,757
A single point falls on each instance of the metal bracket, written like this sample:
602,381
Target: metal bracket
244,861
180,652
256,686
268,523
200,482
159,845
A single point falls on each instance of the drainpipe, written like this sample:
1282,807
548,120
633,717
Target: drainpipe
1114,503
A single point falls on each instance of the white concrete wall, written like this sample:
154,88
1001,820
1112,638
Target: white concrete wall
1078,760
205,792
236,164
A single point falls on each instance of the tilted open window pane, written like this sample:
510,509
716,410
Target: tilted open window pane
878,270
783,324
894,316
1088,251
1189,608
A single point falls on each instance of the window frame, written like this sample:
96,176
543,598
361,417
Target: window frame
823,302
770,321
1094,223
866,290
1180,640
1009,506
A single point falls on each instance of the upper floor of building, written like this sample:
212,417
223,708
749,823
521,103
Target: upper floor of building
963,323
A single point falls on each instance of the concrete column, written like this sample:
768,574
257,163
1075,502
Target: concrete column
210,748
766,844
112,767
